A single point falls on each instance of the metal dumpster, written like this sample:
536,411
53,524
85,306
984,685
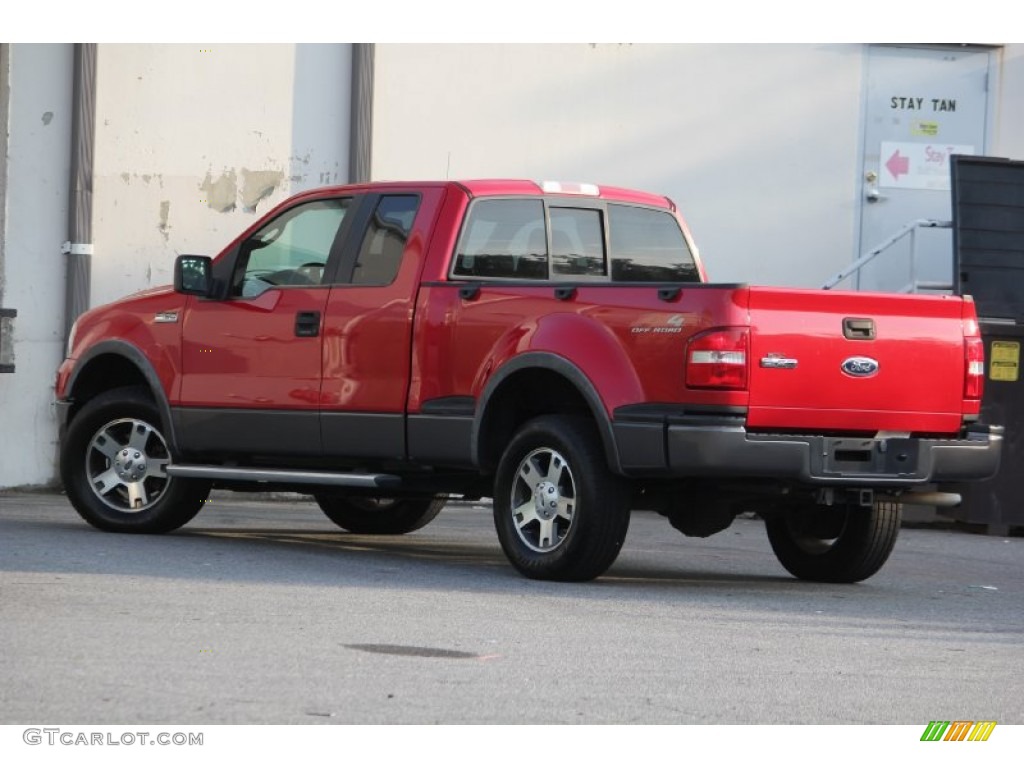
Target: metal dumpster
988,249
999,503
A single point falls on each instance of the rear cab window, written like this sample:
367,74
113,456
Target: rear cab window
647,246
560,239
577,242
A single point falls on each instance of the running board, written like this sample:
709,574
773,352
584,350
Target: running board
350,479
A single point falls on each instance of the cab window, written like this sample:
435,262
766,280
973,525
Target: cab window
577,242
291,250
380,254
504,239
647,245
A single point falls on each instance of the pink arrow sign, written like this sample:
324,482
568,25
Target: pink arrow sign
898,164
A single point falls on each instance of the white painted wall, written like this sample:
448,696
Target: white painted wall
1009,117
757,144
194,142
36,198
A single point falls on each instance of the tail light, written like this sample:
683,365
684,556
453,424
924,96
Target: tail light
974,356
717,359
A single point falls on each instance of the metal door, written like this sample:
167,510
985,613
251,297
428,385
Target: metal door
922,105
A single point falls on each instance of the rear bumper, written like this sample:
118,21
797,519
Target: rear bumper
721,447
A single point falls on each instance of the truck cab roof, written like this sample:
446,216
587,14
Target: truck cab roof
510,188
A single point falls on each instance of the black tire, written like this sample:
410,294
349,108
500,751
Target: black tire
112,465
838,545
573,513
382,516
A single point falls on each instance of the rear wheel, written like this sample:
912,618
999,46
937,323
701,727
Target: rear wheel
380,515
840,544
560,513
113,465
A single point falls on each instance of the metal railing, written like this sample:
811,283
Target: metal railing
908,230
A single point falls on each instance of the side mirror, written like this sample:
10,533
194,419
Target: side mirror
192,275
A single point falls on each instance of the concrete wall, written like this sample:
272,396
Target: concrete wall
757,144
193,143
5,90
1009,113
38,158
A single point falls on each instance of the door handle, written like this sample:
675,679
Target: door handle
855,328
307,324
873,195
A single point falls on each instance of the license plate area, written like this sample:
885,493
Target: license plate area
867,456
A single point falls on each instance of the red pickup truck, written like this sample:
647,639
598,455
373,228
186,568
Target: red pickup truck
555,347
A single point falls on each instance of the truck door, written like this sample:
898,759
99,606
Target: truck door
251,363
368,329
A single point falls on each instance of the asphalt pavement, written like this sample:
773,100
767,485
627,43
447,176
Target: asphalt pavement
261,611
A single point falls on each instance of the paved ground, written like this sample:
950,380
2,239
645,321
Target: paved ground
263,612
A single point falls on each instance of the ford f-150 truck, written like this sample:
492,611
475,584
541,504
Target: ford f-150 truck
557,348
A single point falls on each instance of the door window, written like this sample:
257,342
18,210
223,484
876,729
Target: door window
292,250
380,255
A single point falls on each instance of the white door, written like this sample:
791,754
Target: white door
923,105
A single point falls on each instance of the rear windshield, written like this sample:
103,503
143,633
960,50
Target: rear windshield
524,239
647,246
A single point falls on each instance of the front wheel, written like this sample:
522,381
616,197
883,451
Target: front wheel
840,544
113,465
383,516
560,514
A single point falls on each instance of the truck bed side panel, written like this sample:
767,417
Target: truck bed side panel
626,340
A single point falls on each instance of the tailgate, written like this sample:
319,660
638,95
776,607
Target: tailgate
855,361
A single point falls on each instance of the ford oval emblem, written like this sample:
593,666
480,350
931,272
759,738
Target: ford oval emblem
860,367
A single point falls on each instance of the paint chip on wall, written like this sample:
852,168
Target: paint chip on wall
165,210
258,185
220,192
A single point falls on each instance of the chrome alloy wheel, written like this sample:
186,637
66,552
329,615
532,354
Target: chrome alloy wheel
126,464
543,500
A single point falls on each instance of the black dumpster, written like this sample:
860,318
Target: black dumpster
998,503
988,250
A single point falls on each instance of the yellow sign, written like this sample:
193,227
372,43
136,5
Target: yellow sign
1004,361
924,128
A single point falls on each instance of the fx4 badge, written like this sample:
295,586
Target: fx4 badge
673,324
861,367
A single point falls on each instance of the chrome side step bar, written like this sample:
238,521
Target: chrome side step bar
305,477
